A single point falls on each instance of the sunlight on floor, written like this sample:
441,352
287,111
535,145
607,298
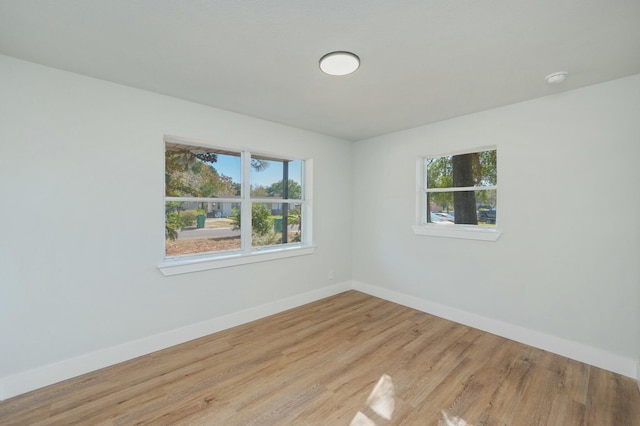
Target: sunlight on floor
454,421
361,420
382,402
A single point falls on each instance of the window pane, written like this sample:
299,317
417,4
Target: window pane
200,227
455,171
268,175
269,220
439,172
480,209
192,171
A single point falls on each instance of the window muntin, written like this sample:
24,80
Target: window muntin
207,190
461,188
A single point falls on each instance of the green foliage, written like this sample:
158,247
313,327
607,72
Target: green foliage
440,175
190,174
294,190
176,163
187,219
267,239
172,222
207,157
261,222
259,165
213,184
177,219
236,188
486,169
295,218
172,225
275,190
172,207
259,191
487,197
236,216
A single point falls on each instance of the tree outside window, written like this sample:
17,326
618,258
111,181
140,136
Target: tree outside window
461,188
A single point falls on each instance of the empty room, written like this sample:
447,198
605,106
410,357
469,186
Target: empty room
320,213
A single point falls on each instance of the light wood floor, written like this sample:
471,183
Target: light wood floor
318,364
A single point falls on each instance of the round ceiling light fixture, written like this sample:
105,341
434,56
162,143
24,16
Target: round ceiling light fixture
556,77
339,63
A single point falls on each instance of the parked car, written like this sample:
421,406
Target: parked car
446,217
486,214
438,218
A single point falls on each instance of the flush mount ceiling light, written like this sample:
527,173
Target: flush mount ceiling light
556,77
339,63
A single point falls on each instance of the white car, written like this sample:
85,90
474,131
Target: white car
441,218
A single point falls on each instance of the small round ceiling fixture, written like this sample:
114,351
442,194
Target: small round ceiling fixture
556,77
339,63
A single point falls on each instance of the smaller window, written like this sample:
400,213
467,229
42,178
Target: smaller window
459,190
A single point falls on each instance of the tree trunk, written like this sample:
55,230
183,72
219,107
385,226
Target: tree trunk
464,202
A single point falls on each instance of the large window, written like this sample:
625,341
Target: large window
221,202
459,189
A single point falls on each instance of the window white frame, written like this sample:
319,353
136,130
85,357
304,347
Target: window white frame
172,265
442,229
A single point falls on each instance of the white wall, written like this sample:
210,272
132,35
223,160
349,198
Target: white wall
567,264
81,193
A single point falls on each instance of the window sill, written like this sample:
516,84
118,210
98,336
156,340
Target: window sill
458,231
195,264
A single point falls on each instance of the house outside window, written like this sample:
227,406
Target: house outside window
222,204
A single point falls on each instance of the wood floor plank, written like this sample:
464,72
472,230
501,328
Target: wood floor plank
321,363
566,411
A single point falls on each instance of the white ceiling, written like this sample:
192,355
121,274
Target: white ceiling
422,60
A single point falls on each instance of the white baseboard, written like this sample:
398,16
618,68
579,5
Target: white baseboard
43,376
574,350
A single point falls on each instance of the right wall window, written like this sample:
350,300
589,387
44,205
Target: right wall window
460,189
